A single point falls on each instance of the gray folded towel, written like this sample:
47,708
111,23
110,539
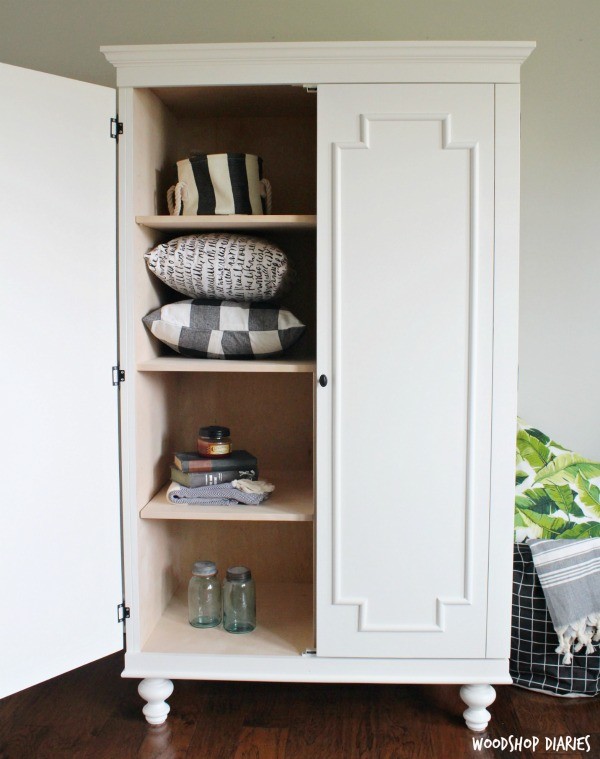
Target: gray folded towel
224,494
569,573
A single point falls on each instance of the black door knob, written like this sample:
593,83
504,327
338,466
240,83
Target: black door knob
323,380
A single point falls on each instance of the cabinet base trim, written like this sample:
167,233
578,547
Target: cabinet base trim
317,669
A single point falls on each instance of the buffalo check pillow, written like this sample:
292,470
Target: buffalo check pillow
204,328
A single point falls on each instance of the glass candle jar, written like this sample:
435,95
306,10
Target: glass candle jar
204,595
239,601
214,441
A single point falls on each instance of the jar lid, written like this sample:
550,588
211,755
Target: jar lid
214,432
204,569
238,573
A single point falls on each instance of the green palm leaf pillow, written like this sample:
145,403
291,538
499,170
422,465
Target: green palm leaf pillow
557,491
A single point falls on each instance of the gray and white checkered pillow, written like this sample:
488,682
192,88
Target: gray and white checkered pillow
204,328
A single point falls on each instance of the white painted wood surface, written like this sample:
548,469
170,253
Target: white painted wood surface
403,535
155,690
506,335
477,697
60,518
71,401
145,134
453,217
317,62
316,669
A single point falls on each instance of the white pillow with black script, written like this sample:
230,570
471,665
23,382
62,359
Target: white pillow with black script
222,266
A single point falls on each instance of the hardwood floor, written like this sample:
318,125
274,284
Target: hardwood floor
92,713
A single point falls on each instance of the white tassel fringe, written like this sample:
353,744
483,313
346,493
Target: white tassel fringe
572,638
253,486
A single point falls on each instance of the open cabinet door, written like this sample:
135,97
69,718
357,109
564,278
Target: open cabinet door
60,555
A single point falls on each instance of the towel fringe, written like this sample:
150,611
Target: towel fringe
579,634
253,486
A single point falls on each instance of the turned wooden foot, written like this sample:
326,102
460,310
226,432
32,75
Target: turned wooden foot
477,697
155,690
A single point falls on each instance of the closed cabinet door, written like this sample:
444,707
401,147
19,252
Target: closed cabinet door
405,300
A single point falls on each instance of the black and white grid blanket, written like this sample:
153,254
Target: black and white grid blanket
569,573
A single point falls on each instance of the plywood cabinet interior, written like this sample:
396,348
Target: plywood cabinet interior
268,405
384,554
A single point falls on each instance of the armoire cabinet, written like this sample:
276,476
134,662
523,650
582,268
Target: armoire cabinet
384,554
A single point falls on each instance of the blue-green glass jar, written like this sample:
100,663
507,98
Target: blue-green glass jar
239,601
204,595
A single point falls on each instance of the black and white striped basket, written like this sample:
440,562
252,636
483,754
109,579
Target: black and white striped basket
220,184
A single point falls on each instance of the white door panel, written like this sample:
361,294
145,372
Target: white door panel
60,560
407,237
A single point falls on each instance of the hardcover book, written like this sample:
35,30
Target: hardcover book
193,462
200,479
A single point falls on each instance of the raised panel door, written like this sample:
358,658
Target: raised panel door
405,310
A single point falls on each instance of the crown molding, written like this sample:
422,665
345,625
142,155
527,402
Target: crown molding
317,62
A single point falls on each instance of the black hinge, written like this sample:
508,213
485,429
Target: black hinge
118,375
122,612
309,652
310,88
116,128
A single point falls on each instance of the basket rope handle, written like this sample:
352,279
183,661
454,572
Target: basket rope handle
266,193
175,195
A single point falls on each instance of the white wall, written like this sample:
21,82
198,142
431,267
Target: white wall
560,355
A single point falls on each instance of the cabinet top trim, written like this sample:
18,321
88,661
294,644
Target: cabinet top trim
316,62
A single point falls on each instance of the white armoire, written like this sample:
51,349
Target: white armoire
384,553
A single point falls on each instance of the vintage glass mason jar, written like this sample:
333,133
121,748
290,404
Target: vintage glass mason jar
204,595
239,601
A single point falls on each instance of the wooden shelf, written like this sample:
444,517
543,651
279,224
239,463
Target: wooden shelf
284,615
230,222
182,364
291,501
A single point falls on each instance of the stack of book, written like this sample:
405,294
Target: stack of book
194,471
